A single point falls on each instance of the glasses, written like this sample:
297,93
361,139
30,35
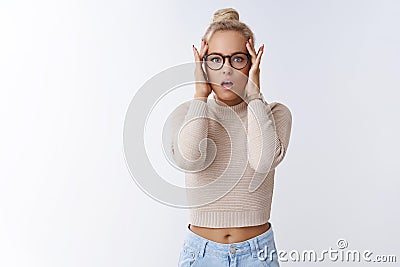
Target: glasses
238,60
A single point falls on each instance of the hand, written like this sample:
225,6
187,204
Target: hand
203,89
254,72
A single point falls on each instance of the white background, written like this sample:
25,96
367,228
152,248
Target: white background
68,70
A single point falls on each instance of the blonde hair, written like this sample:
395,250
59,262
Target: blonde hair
227,19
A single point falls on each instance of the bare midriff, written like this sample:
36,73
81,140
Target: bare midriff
229,235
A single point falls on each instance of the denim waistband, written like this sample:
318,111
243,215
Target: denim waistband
252,245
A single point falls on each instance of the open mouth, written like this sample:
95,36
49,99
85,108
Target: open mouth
227,85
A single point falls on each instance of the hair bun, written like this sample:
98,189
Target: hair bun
225,14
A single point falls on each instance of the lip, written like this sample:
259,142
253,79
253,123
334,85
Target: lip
228,87
227,80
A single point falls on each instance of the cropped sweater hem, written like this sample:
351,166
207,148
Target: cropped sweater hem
224,219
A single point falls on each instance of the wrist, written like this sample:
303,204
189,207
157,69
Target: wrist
252,92
200,97
252,96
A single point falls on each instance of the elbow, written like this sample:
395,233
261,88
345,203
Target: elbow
259,167
279,155
268,161
186,164
259,164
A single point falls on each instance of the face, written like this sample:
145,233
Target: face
227,43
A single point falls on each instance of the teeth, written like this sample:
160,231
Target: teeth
226,83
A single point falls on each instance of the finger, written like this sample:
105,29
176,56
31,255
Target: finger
202,45
196,54
259,54
251,48
256,58
252,44
204,49
204,52
251,52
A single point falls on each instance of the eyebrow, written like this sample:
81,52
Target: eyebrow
227,55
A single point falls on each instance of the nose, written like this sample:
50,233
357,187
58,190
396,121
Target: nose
226,68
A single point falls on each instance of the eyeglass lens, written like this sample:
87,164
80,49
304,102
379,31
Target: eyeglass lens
215,61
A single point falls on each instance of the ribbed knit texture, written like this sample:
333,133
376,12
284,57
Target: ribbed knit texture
243,144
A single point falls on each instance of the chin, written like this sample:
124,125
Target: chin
226,94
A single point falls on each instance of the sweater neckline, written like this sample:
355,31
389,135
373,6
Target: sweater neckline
226,110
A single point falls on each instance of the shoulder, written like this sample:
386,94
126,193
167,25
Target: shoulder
182,108
177,116
279,108
179,112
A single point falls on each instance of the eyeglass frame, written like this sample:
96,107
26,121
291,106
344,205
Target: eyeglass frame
223,59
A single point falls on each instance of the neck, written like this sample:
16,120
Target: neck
232,102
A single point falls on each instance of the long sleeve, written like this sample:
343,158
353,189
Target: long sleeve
189,139
269,127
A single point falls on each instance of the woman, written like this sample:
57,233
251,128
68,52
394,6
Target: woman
225,136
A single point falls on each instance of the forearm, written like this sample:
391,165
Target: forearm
261,136
190,143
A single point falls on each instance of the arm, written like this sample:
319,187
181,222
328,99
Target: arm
189,139
269,128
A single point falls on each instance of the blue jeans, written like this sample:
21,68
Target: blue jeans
257,251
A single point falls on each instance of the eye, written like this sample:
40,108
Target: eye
238,59
215,59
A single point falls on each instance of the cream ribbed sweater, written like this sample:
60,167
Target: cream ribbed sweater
242,145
